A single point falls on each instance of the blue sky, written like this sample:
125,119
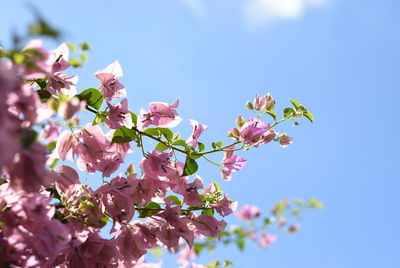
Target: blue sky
339,58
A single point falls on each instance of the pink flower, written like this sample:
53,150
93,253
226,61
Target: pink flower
60,57
119,115
285,140
158,163
225,207
259,102
161,114
27,172
39,57
252,131
267,239
197,129
68,109
209,226
60,83
110,86
50,132
231,163
234,162
185,255
248,212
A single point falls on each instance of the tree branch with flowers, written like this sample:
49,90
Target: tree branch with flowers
49,218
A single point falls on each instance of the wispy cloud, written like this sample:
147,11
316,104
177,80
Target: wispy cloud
261,12
196,6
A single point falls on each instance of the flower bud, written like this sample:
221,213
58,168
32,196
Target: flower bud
130,170
270,102
249,106
293,228
259,102
240,121
235,132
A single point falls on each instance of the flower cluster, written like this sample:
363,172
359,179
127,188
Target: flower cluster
49,218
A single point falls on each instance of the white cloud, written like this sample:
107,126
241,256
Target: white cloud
260,12
196,6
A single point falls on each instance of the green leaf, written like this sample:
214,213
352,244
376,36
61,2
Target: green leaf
190,167
53,165
180,143
295,103
198,248
100,117
228,263
158,131
219,144
42,84
161,147
75,62
153,208
240,243
123,135
201,146
134,118
288,112
84,57
315,203
177,201
271,113
93,97
309,116
194,156
71,47
84,46
103,221
208,211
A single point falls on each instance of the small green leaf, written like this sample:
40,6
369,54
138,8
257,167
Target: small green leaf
84,57
103,221
201,146
75,62
295,103
158,131
288,112
71,47
177,201
208,211
123,135
100,117
240,243
161,147
194,156
315,203
180,143
134,118
198,248
271,113
84,46
190,167
309,116
219,144
93,97
150,209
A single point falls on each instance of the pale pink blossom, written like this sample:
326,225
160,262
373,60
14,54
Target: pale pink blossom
110,86
225,207
267,239
259,102
285,140
161,114
50,132
119,115
197,129
248,212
